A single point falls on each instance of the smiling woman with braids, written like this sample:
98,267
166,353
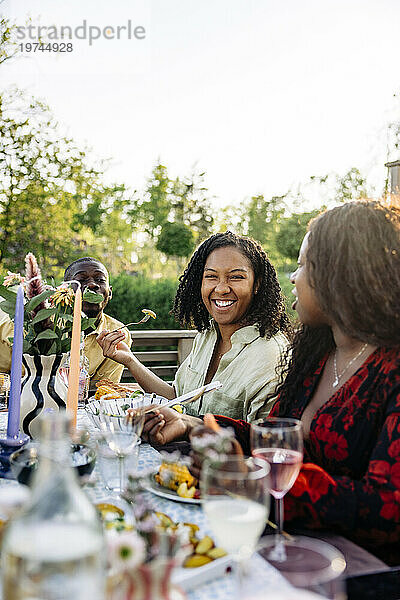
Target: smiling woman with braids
230,293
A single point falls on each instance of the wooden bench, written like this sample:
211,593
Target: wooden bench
161,350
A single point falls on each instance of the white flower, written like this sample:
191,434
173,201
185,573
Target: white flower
126,550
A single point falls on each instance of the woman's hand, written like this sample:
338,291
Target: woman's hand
163,426
114,346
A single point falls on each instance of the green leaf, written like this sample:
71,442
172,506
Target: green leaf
87,322
53,348
66,317
26,346
43,314
66,345
92,297
8,307
47,334
36,300
8,294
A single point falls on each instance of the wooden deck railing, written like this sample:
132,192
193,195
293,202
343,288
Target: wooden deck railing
161,350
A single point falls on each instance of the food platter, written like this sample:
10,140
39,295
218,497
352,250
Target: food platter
168,494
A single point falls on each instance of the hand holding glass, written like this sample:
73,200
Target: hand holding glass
279,442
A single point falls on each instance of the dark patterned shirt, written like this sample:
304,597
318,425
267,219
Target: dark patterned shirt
350,481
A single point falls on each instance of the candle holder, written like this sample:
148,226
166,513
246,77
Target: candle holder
8,445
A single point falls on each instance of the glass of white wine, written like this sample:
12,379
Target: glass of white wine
236,501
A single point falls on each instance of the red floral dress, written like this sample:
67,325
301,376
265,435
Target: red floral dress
350,480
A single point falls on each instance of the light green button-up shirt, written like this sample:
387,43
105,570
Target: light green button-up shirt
247,373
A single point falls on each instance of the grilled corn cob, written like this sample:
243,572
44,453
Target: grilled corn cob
172,475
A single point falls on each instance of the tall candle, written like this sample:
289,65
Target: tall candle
74,366
14,403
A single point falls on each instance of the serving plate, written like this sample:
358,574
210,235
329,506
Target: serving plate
159,490
188,579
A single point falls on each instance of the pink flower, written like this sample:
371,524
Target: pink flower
13,279
34,282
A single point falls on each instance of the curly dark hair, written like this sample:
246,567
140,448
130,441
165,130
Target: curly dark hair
353,264
267,309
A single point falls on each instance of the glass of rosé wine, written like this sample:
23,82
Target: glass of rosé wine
279,442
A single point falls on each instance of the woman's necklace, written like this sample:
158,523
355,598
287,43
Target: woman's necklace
339,375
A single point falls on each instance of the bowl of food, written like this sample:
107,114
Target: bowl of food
119,406
24,461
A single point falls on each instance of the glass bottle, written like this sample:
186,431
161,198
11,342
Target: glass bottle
84,378
54,548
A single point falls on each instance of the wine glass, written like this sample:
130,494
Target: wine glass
279,442
236,500
121,433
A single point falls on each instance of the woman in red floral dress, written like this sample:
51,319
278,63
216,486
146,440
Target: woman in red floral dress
342,378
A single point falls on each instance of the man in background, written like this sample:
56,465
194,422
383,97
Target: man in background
93,275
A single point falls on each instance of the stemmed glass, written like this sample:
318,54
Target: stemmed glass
121,433
279,442
236,500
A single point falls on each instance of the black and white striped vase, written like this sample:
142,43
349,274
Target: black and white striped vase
42,388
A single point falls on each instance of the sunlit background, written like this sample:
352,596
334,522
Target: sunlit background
260,94
242,101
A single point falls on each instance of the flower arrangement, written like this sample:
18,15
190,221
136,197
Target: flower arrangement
48,310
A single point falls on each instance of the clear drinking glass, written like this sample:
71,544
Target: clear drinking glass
311,565
279,442
236,500
4,390
108,463
121,432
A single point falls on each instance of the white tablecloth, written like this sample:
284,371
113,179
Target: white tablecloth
223,588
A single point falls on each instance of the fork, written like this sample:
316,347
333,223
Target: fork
142,320
145,318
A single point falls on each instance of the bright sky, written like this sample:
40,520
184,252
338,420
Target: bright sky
261,94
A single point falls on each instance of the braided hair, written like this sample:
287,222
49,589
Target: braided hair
267,309
353,265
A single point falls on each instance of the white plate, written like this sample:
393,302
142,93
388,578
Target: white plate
163,492
188,579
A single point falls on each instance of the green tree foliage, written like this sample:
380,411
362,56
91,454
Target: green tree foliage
53,202
351,186
168,208
263,217
8,39
177,201
176,239
132,293
291,233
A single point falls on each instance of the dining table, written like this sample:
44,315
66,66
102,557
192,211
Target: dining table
213,583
